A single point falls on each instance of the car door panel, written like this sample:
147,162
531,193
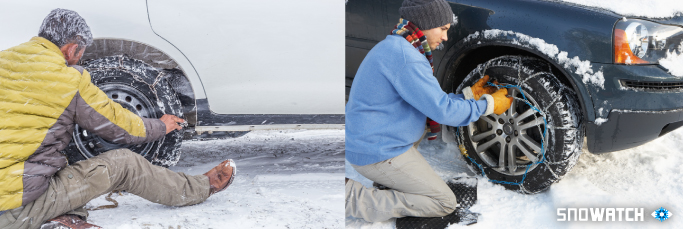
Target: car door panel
264,57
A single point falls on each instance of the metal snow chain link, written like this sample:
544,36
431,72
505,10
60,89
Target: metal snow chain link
463,151
135,76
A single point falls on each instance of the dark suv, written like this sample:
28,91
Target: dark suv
590,72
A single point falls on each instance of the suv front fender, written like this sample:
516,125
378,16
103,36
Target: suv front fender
466,54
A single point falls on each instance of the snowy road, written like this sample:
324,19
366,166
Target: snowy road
649,176
285,179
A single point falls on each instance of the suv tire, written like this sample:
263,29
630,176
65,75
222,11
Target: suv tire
140,88
520,128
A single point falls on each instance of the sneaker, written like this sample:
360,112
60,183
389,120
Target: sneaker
221,176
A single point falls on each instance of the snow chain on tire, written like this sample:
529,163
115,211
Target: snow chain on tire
140,84
562,137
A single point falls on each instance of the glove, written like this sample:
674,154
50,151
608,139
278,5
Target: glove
479,88
501,101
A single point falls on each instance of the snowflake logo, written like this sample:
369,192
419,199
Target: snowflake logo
661,214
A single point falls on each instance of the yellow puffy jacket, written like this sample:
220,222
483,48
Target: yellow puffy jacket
41,98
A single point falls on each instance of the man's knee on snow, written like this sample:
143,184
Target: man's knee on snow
448,203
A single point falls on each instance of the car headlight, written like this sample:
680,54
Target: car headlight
643,42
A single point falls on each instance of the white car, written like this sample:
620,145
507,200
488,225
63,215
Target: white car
221,65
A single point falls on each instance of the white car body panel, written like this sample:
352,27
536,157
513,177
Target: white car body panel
260,57
285,60
124,19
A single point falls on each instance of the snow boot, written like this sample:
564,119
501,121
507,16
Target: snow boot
465,190
68,222
221,176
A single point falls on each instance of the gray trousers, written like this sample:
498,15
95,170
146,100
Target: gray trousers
415,190
74,186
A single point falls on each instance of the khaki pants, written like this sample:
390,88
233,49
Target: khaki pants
416,190
74,186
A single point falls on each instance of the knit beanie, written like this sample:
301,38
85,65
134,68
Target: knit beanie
426,14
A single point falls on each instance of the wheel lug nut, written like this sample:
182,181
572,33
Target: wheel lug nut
507,139
499,132
516,133
500,120
512,121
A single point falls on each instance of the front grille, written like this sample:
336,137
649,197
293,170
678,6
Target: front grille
652,85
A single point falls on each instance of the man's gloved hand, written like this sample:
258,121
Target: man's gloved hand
479,88
171,122
501,101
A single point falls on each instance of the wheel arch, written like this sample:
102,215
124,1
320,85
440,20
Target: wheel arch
178,77
462,58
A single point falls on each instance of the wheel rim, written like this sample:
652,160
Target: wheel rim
510,142
90,145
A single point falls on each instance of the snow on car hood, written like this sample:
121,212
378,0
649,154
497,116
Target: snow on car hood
674,62
636,8
584,68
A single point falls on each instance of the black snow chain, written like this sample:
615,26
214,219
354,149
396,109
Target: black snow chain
544,160
108,198
157,79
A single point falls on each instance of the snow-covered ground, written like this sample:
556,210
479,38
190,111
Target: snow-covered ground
649,176
285,179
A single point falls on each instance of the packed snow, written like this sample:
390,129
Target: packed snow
581,67
651,9
649,176
285,179
674,61
600,121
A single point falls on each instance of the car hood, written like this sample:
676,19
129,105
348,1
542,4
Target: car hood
675,20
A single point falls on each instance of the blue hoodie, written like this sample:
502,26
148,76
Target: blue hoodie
393,93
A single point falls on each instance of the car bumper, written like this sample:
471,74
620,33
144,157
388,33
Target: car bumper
637,105
626,129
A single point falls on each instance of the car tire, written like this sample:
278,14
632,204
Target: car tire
513,132
140,88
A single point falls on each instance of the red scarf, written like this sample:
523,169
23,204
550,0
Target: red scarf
416,38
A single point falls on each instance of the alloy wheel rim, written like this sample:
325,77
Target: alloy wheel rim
510,142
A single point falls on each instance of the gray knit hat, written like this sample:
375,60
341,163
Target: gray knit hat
426,14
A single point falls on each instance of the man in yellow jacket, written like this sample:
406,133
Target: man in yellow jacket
42,95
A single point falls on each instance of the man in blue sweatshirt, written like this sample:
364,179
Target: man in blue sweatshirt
393,94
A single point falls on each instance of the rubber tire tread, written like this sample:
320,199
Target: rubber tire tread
565,127
120,69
